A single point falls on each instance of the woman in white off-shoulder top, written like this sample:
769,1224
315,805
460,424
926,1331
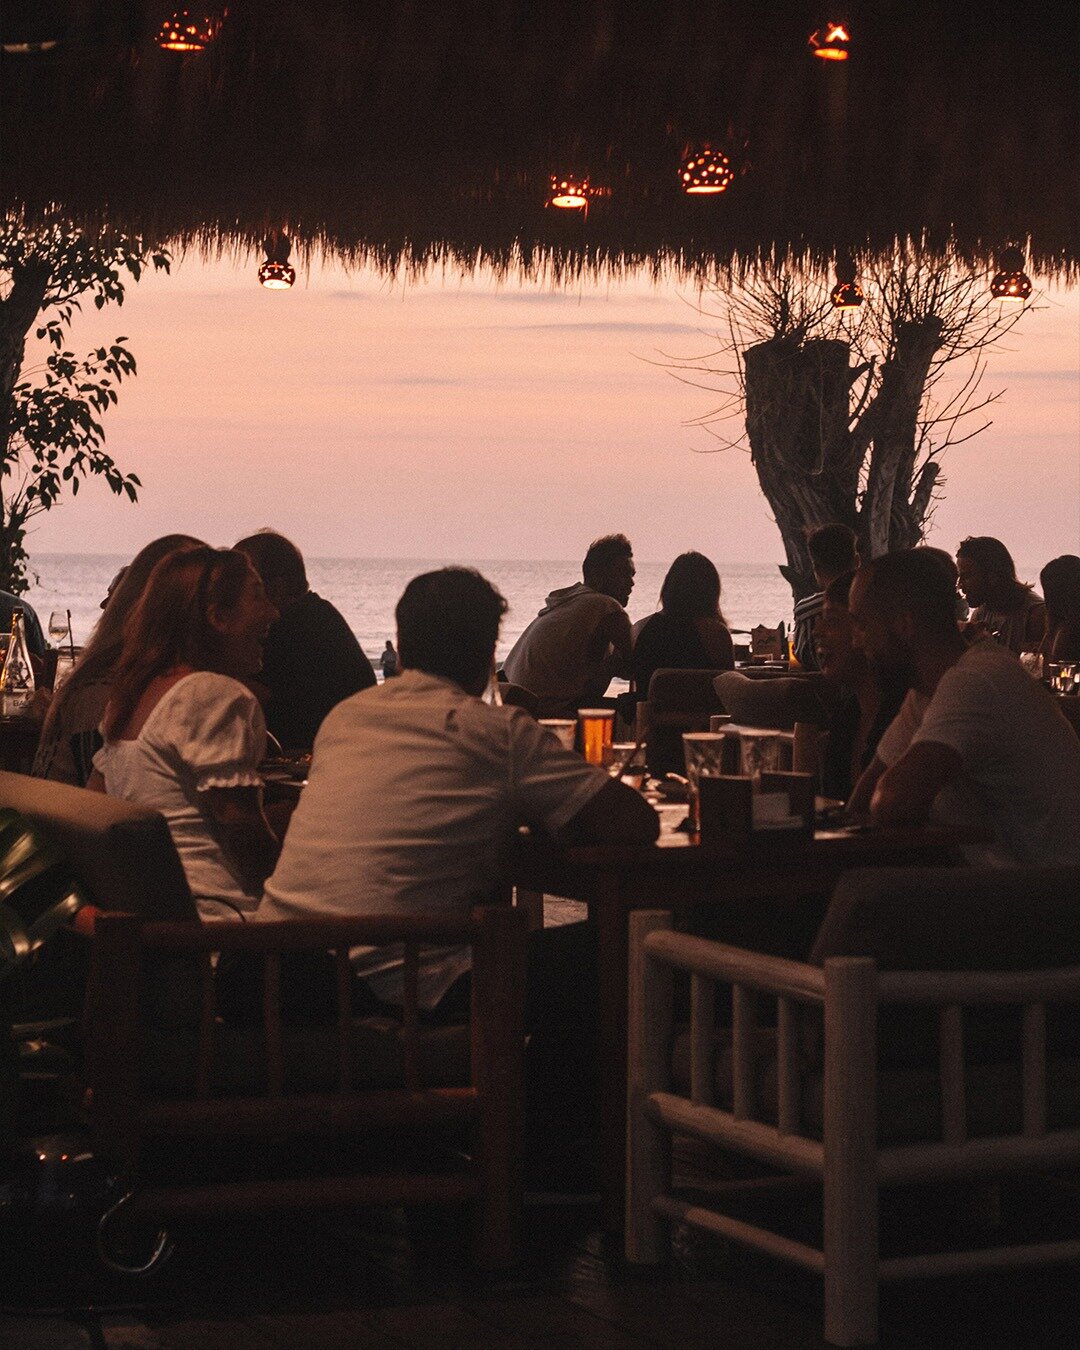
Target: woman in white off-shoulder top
183,735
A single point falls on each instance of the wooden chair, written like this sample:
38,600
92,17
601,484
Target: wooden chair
856,1090
164,1072
678,701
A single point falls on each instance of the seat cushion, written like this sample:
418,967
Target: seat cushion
775,703
122,855
310,1055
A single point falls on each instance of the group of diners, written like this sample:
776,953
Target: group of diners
416,784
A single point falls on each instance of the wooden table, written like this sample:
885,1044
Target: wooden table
672,874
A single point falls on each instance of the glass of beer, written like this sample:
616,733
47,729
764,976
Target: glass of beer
597,733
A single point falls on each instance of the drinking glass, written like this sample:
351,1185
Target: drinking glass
760,753
59,628
597,733
563,728
703,752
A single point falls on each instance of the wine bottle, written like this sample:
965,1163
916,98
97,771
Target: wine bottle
17,677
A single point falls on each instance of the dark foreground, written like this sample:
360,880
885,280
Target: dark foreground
377,1279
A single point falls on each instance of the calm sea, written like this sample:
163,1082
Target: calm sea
366,590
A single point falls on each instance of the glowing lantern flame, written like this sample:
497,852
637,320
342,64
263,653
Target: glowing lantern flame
831,42
847,293
276,273
705,171
185,31
1012,282
570,192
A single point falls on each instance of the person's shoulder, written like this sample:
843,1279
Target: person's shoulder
205,687
317,609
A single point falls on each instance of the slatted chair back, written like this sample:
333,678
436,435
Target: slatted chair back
846,1147
127,1112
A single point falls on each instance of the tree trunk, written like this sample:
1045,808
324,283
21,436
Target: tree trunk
891,425
797,397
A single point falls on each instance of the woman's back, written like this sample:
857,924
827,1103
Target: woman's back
678,642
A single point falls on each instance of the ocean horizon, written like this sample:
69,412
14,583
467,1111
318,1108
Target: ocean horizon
366,590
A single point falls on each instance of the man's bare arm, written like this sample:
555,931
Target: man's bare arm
905,793
614,633
616,815
858,804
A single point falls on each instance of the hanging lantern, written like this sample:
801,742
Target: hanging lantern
847,293
276,273
569,191
831,41
1012,282
190,30
705,171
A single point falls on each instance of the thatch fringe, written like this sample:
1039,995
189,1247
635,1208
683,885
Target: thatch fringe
412,136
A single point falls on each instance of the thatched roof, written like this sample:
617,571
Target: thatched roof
411,131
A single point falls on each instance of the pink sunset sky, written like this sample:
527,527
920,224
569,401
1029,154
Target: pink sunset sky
467,418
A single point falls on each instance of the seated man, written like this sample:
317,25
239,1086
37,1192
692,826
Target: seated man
977,741
311,660
416,788
581,638
834,552
1002,607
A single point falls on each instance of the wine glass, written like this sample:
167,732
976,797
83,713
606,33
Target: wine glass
59,627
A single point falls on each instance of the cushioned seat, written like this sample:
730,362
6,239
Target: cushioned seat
122,855
776,703
678,701
310,1059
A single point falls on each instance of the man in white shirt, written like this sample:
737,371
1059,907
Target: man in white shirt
414,791
581,638
977,739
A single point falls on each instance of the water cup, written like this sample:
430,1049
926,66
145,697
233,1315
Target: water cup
760,753
703,753
597,733
563,728
718,721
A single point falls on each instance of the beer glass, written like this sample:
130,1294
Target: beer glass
597,732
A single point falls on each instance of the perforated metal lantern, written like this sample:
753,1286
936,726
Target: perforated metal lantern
847,293
277,273
1012,282
705,172
190,30
570,192
831,41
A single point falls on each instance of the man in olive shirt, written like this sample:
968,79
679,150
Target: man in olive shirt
311,660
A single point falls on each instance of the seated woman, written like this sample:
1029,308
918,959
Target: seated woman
689,632
1060,582
70,735
183,735
865,708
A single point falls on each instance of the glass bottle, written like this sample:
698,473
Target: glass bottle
17,677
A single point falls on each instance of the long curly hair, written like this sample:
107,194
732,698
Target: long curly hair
170,624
